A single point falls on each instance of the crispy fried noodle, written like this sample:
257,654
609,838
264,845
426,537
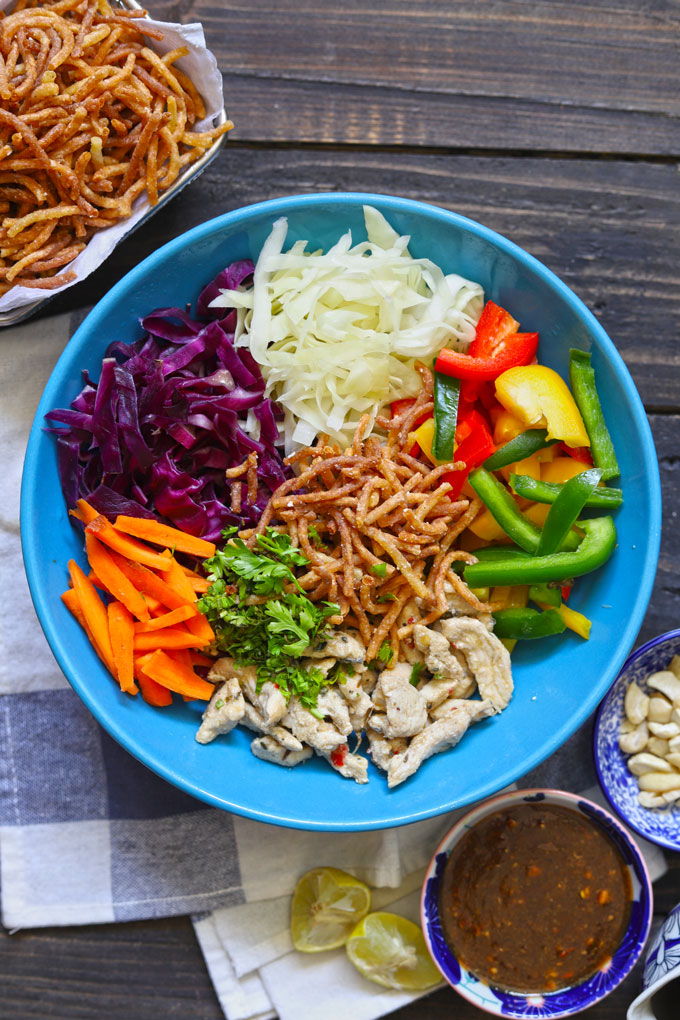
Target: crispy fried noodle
90,118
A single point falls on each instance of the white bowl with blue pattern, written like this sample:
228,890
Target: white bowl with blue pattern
620,787
565,1001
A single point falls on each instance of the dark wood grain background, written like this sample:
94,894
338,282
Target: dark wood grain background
556,124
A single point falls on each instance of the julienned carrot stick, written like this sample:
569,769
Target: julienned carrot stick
178,580
177,677
70,600
199,584
84,512
151,584
113,578
122,632
163,534
169,637
199,659
153,693
183,657
167,619
94,612
126,546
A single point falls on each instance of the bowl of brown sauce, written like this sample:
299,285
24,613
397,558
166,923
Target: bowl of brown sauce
536,902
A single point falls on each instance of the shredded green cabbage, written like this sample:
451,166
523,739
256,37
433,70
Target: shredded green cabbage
337,333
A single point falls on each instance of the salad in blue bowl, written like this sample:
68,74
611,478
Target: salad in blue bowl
324,469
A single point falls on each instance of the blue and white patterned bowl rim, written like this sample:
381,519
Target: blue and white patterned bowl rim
664,954
566,1001
659,825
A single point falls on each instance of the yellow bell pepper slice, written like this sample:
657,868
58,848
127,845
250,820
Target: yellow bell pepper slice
424,437
487,527
529,466
537,513
561,469
506,427
577,622
510,597
540,398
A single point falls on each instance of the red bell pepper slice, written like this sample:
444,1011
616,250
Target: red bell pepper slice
516,349
494,325
581,453
475,444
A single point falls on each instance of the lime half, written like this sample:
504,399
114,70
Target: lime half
327,903
391,951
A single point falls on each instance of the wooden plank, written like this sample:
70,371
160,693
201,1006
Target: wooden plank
609,229
664,609
586,77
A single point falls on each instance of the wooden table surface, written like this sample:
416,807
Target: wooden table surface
556,124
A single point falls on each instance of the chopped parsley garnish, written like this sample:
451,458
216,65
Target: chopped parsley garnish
385,652
416,670
379,569
261,616
315,536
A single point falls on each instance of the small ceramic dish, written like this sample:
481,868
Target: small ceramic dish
620,786
565,1001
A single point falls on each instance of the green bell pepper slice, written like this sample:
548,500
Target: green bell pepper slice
517,624
547,492
503,508
595,549
545,595
446,396
519,448
565,510
582,380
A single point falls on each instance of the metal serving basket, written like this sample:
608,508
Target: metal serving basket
190,173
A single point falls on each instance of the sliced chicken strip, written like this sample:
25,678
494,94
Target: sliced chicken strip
369,679
409,614
331,703
351,766
382,750
453,705
487,658
225,709
438,690
442,661
358,702
254,721
436,737
405,708
340,644
318,733
459,607
269,749
269,701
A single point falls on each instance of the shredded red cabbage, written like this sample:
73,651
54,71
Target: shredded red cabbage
169,415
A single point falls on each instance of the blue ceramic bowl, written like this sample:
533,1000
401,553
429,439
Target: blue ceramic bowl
566,1001
620,787
558,682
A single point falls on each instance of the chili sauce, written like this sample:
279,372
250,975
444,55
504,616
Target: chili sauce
535,897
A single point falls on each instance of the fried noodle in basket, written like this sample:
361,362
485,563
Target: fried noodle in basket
354,510
90,118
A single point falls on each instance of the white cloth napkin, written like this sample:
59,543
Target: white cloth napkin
83,826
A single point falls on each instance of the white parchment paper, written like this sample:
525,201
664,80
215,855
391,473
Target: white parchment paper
201,66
